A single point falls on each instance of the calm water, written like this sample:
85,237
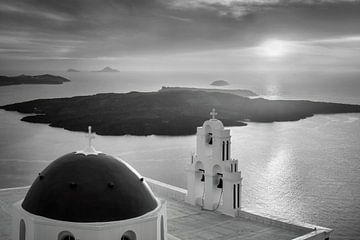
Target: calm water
307,170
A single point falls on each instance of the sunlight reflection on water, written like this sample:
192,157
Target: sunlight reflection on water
307,170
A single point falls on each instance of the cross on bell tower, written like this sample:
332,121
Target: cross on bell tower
213,113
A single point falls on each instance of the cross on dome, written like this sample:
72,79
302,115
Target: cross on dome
90,149
90,136
213,113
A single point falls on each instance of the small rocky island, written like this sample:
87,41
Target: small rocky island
165,112
107,69
219,83
37,79
238,92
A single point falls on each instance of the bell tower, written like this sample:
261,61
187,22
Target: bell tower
213,179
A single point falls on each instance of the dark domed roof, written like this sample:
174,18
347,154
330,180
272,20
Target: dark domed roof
89,188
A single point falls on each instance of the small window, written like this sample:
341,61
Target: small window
128,235
234,196
162,228
22,230
227,150
223,150
66,235
238,195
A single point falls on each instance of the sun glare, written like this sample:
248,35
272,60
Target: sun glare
273,48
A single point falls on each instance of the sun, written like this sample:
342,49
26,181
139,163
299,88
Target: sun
273,48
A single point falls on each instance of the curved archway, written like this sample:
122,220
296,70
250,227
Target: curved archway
128,235
22,230
199,183
66,235
217,187
199,165
217,169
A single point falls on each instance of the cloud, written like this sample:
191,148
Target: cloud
342,39
24,10
225,8
182,19
240,8
106,30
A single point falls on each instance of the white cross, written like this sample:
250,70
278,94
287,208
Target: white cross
213,113
90,136
90,149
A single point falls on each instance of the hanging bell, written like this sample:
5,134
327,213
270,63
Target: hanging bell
202,178
220,184
210,141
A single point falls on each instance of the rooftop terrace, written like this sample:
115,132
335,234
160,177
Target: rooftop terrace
188,222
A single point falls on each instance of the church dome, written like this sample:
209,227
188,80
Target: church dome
214,124
89,188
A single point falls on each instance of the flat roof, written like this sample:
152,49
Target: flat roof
184,222
190,222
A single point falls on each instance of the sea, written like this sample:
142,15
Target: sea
307,170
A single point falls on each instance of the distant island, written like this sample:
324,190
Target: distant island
238,92
165,112
108,69
27,79
219,83
72,70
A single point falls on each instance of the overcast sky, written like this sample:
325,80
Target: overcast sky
179,34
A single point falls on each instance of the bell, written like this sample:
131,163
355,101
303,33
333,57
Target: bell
210,139
202,178
220,184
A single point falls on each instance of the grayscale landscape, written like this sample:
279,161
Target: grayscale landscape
283,76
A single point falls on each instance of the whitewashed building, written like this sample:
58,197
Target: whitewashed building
88,195
213,177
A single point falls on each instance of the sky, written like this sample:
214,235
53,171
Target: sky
228,35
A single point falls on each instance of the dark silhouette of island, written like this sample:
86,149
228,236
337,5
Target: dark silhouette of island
72,70
27,79
219,83
108,69
165,113
238,92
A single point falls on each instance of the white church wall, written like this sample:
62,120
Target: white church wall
16,218
166,190
45,231
40,228
144,229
